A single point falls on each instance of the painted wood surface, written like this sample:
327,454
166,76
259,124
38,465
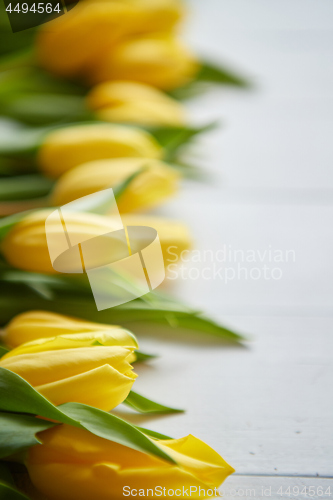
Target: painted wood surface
267,407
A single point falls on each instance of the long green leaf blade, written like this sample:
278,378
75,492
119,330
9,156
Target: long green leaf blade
145,405
8,490
211,72
18,432
24,187
17,395
113,428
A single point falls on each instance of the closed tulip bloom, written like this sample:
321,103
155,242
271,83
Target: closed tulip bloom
73,464
157,15
34,325
25,245
174,235
155,181
69,44
133,102
83,368
69,147
160,60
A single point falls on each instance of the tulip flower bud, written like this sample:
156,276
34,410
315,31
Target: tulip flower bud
69,147
67,45
160,60
83,368
174,235
34,325
132,102
150,187
25,245
73,464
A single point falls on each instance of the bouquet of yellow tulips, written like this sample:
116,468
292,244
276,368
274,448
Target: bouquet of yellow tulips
91,100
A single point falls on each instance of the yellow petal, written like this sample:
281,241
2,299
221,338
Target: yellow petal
97,25
69,147
103,387
133,102
152,185
104,467
158,60
174,236
49,366
118,337
33,325
25,245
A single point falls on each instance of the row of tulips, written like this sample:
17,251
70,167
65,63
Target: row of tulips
103,79
67,359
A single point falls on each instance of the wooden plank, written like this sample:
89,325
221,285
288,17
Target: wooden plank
267,409
256,259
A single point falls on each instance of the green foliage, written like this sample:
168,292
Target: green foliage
18,432
8,490
24,187
211,72
144,405
141,356
73,297
173,139
18,396
3,351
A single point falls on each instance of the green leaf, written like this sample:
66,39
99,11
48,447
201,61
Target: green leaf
172,139
142,356
144,405
121,187
7,223
3,350
24,187
43,109
7,485
153,434
16,299
115,429
18,432
5,475
17,139
17,395
211,72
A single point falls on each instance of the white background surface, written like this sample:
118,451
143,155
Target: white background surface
266,408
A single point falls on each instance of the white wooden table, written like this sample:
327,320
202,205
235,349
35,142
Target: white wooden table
267,408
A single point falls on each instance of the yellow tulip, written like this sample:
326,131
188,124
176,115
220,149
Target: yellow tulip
133,102
73,464
158,60
156,15
34,325
156,182
83,368
67,45
174,235
25,245
71,146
